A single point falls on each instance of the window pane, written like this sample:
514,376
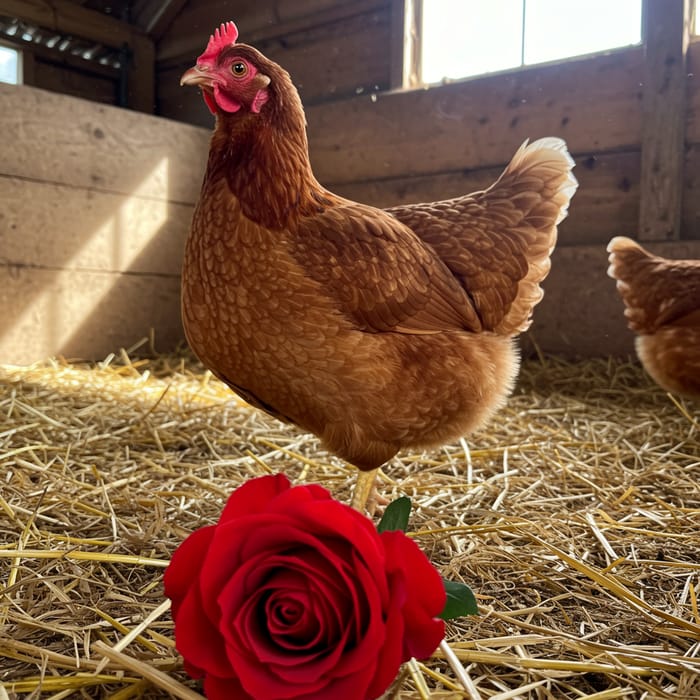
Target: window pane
9,65
461,38
560,28
468,37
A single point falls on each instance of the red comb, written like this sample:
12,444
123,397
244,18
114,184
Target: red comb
222,38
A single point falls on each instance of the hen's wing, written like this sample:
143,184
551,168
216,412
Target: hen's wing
656,291
497,242
381,275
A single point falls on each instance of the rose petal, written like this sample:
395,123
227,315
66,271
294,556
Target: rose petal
293,622
389,658
238,551
198,639
225,689
267,671
185,565
312,575
254,496
424,592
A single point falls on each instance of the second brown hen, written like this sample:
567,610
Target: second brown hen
374,329
662,306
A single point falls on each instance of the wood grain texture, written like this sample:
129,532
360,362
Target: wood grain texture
55,226
474,123
82,314
666,28
54,138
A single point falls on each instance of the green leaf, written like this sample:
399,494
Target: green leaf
396,515
460,600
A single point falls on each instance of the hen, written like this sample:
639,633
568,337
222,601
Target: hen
374,329
662,300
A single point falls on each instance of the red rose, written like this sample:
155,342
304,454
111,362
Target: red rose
295,595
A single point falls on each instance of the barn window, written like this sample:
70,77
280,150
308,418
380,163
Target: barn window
10,65
461,38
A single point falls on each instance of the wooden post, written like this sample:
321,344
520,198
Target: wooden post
141,75
665,33
397,55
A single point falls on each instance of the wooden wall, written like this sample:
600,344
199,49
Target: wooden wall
96,202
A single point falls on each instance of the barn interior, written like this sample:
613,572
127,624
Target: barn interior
574,515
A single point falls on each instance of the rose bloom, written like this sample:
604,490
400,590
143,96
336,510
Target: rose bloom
296,595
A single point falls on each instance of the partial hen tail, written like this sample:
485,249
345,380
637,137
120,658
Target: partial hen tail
498,242
540,183
656,291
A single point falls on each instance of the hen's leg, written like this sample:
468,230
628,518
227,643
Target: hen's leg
363,490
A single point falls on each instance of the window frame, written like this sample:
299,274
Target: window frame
406,50
20,62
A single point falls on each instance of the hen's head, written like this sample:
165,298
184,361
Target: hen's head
234,78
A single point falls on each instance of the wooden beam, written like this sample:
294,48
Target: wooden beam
397,55
69,18
141,75
666,31
62,58
413,44
154,18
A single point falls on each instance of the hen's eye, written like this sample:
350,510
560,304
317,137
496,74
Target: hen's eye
239,69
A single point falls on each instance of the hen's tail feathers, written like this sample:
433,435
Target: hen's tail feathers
539,180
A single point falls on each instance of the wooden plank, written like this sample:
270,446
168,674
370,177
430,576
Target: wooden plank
692,86
606,203
666,30
69,18
67,141
81,314
690,210
53,226
397,44
593,103
412,43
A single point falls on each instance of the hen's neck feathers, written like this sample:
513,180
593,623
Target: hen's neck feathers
265,160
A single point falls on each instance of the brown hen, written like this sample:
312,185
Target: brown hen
374,329
662,300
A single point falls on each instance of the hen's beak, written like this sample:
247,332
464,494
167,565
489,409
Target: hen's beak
197,76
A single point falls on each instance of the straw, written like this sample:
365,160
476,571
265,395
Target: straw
574,515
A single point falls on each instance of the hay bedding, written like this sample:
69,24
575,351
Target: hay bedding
575,516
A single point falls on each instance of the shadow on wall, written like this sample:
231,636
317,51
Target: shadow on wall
97,202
